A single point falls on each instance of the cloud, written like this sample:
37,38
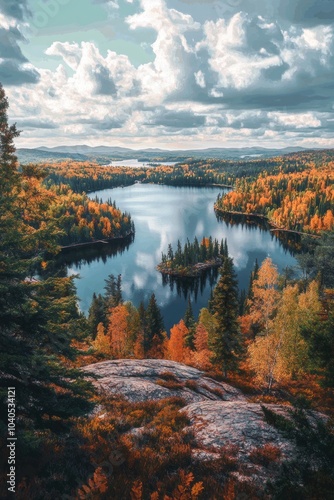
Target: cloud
15,68
43,124
71,53
17,9
13,73
173,54
175,119
245,75
307,12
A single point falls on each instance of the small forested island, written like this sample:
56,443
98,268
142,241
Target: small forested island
194,258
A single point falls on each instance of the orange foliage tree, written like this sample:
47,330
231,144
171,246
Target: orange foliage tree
176,346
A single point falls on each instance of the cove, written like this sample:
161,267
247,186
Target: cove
162,215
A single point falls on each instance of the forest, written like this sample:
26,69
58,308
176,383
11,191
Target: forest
67,218
90,176
300,201
275,343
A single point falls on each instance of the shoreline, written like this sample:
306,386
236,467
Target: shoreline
106,241
191,271
273,225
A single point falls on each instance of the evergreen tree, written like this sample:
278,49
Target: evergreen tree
250,295
242,302
37,320
227,343
154,323
319,335
113,296
189,315
96,314
189,321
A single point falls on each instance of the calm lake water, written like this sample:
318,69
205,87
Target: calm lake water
138,164
162,215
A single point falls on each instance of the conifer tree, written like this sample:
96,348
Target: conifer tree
154,323
96,314
37,320
227,345
113,296
189,321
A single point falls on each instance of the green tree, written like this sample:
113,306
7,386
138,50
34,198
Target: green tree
154,323
189,321
96,314
227,345
113,296
37,319
319,335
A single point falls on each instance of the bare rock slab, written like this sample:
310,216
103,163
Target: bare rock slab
238,423
155,379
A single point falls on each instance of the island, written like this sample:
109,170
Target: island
194,258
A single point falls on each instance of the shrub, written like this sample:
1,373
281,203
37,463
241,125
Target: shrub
192,385
170,384
265,455
168,376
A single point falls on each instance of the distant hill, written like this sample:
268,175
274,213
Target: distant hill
104,154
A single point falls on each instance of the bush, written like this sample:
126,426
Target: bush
170,384
265,455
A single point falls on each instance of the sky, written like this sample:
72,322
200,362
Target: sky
173,74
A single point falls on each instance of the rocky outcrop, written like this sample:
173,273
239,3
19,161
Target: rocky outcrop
221,418
235,423
154,379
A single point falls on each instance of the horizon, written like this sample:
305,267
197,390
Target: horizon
177,149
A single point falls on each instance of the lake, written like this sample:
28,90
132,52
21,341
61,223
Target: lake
162,215
139,164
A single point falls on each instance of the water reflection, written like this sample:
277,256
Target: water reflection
162,215
291,242
95,253
186,287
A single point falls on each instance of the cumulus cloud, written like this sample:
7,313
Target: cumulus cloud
246,74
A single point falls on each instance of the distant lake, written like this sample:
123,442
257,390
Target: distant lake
139,164
162,215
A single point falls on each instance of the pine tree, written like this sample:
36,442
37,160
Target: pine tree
254,276
96,314
227,343
113,295
154,323
37,320
189,321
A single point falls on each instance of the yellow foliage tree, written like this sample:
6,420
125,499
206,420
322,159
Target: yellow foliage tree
102,342
265,295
